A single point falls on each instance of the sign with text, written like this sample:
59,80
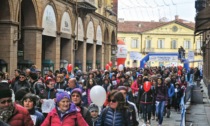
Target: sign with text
90,32
135,56
66,23
163,58
99,36
49,22
80,30
191,56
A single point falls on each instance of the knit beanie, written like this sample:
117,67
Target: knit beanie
77,90
5,90
93,107
61,95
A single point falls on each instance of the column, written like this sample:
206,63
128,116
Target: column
8,47
94,54
33,45
84,55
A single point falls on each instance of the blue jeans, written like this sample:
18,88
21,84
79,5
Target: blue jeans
159,110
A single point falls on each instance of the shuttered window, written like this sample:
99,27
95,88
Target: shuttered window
160,44
173,44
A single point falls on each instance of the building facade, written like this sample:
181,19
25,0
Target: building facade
53,33
160,37
202,28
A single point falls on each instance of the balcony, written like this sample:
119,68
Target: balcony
85,6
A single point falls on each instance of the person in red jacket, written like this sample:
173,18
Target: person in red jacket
10,112
65,113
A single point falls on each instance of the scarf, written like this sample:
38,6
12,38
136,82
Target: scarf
5,114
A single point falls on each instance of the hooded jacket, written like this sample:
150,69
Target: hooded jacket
71,118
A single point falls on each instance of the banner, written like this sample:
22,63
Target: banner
163,58
190,56
135,56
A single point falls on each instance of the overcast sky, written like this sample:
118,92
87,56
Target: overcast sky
147,10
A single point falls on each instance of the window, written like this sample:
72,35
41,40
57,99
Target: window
134,43
160,44
148,44
187,44
173,44
199,45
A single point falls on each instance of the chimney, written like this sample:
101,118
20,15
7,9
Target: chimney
176,17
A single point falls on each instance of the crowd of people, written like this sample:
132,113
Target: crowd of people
62,98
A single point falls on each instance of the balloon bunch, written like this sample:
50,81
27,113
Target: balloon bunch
108,65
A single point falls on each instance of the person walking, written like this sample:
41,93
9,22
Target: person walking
116,114
161,100
10,112
65,113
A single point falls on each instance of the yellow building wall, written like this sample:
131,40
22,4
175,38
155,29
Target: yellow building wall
167,34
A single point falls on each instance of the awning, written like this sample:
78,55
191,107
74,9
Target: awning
202,20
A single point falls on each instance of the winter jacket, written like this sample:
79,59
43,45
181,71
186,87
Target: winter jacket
135,87
113,117
146,97
39,116
161,93
21,117
171,91
61,85
86,115
20,84
48,93
70,118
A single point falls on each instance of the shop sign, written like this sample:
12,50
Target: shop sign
90,32
66,24
99,36
80,30
49,22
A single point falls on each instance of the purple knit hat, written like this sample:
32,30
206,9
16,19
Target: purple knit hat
77,90
61,95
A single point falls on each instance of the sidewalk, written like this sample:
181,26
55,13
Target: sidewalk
174,120
199,114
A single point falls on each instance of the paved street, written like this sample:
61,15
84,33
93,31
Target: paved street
198,114
174,120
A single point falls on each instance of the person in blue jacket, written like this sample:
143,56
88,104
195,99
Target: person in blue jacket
116,114
171,91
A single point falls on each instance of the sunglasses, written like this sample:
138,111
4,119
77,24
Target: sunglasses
22,77
75,96
6,101
113,101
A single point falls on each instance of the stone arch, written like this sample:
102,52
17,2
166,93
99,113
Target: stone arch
5,10
71,21
51,3
71,18
29,16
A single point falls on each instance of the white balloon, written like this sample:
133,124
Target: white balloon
98,95
120,67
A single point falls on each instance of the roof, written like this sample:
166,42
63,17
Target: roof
143,26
